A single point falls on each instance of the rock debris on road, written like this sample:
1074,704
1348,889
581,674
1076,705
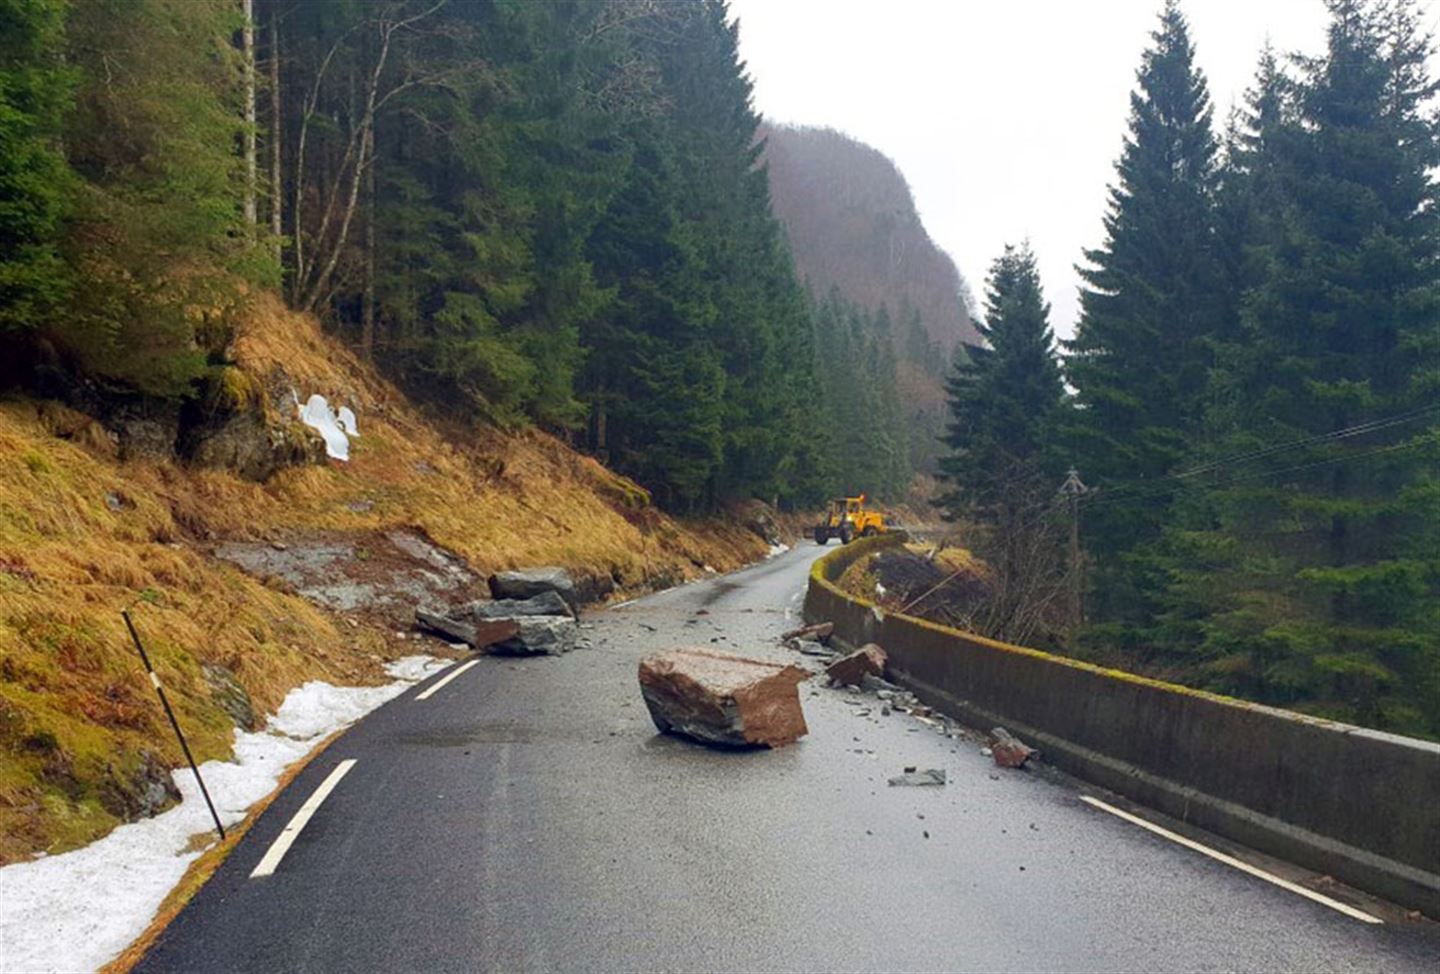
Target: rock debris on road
529,817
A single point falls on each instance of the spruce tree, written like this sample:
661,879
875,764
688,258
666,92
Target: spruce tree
1006,400
35,182
1316,582
1150,308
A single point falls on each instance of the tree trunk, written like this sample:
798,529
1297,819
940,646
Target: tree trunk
367,311
277,133
247,39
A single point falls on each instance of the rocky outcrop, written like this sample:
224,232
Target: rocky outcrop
723,699
239,425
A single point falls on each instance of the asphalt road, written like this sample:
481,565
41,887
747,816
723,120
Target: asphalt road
527,817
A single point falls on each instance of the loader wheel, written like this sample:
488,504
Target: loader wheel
869,532
822,536
847,533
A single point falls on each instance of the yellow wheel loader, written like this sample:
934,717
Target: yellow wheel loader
848,519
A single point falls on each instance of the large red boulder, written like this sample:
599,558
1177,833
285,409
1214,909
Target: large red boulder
720,698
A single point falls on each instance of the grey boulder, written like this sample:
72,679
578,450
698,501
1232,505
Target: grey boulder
456,629
540,635
544,604
527,583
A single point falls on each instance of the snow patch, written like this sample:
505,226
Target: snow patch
77,910
778,549
345,419
336,430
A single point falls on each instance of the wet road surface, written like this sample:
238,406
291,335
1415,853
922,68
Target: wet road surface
526,816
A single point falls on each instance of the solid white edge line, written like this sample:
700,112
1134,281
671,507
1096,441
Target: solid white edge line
435,687
1219,856
287,836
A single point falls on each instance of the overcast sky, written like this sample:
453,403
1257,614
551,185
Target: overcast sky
1006,116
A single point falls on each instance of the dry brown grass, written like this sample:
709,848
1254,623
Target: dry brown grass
77,718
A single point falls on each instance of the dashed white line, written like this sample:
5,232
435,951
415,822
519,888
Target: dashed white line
287,836
1219,856
431,690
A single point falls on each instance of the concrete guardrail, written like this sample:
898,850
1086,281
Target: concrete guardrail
1360,805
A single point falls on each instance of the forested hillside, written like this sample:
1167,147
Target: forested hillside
524,214
1256,376
853,229
852,224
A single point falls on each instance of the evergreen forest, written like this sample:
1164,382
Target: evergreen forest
1252,398
523,213
558,215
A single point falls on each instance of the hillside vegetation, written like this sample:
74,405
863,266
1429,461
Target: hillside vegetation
83,743
525,214
860,247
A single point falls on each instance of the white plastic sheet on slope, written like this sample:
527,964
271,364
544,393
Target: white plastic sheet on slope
75,911
335,428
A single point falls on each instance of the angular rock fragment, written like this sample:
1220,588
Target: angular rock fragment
537,636
544,604
918,779
868,660
440,622
478,634
820,632
529,582
1008,750
811,648
882,688
720,698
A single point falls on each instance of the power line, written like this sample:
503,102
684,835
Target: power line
1359,429
1262,474
1160,484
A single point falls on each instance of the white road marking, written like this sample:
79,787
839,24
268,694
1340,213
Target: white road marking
288,835
431,690
1219,856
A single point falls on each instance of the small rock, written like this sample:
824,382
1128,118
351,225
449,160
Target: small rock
810,648
1008,750
876,685
820,632
868,660
913,778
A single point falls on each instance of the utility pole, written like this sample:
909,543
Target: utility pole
1073,489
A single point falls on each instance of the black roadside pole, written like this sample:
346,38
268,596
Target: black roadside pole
155,681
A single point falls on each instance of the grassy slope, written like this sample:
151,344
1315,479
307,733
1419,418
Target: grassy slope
77,718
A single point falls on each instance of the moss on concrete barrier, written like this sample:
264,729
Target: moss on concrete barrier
1360,805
